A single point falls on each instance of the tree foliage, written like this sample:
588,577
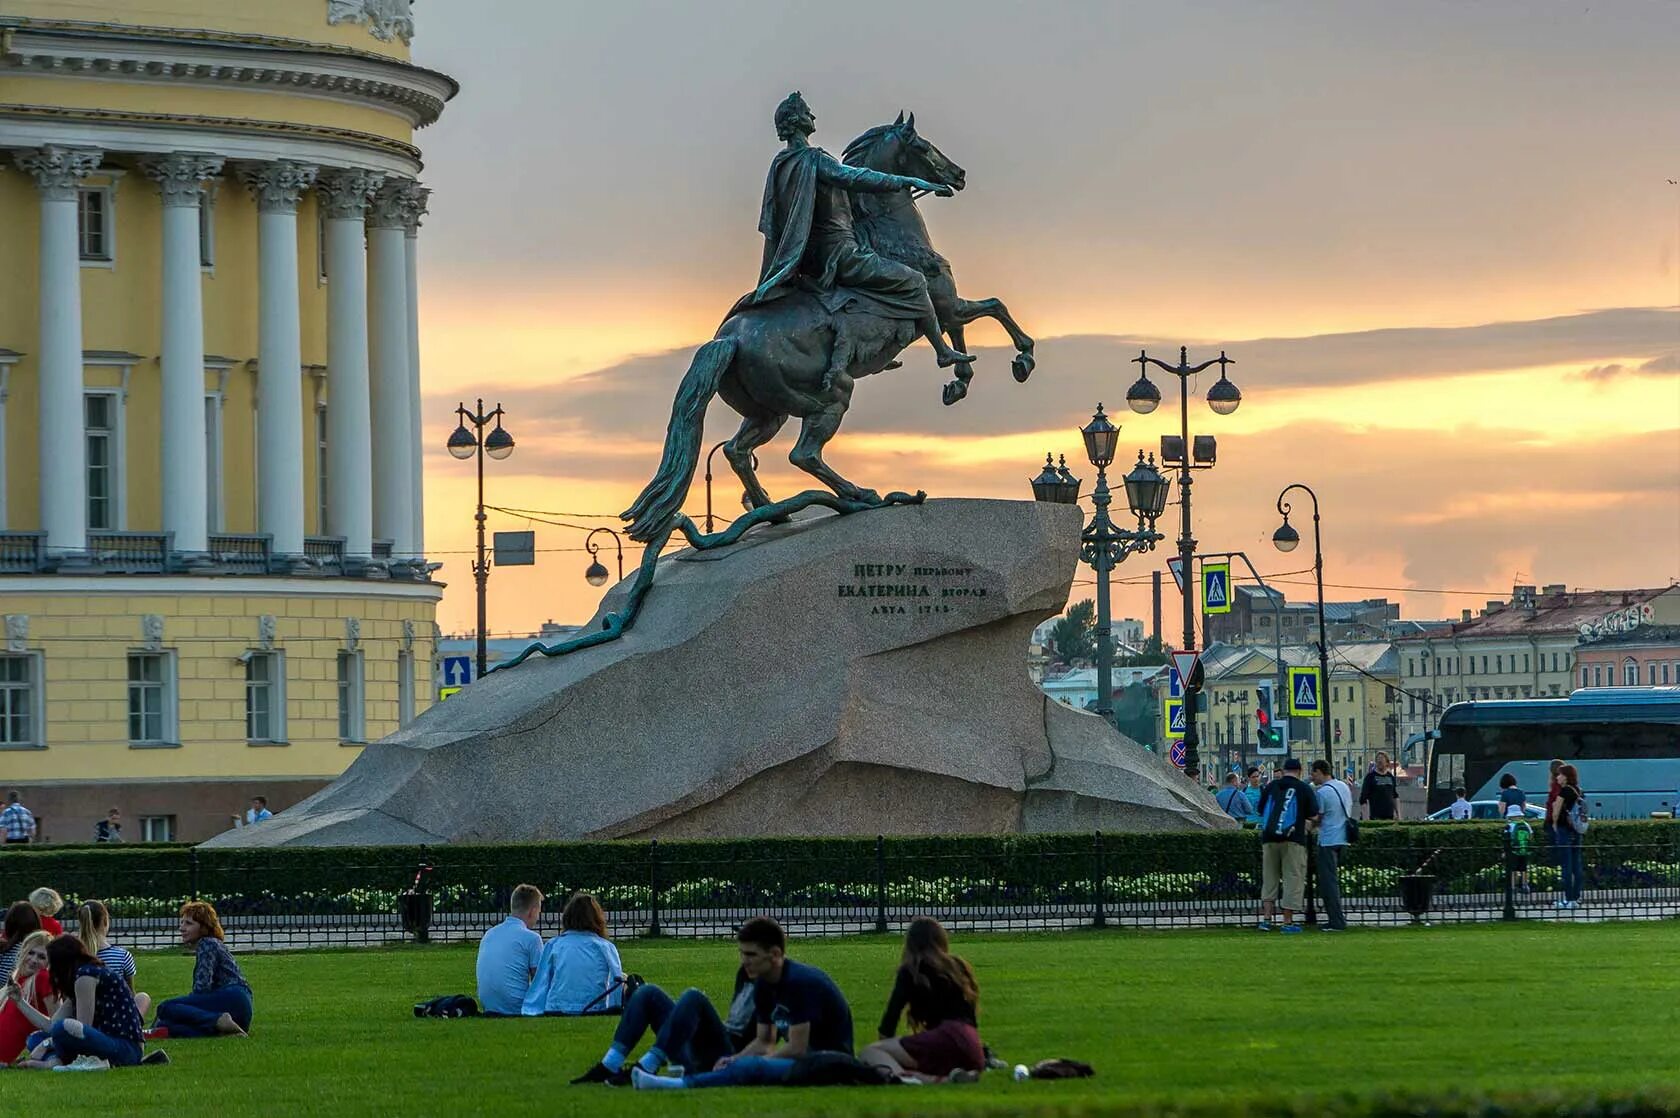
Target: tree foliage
1073,634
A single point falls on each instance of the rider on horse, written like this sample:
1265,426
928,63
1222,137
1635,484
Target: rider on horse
810,243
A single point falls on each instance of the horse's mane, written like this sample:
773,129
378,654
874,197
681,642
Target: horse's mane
859,149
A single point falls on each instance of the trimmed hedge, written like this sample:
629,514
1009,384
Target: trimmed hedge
951,869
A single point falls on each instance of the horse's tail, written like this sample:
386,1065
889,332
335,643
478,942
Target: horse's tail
663,497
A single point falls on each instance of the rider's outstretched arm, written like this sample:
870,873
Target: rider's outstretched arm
860,180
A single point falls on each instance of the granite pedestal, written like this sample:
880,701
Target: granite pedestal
834,675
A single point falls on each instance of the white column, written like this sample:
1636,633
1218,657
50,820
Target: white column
393,457
345,195
411,254
277,188
179,176
57,172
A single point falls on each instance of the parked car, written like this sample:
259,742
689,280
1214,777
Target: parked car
1487,809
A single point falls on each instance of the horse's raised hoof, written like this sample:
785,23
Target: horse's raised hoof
891,365
1022,367
954,390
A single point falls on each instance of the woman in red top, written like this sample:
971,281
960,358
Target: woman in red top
28,989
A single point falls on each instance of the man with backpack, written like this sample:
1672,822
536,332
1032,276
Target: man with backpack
1287,808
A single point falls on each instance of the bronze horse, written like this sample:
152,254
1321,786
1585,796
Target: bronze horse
792,358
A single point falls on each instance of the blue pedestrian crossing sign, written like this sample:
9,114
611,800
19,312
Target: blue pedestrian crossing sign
1172,718
1306,693
457,671
1216,588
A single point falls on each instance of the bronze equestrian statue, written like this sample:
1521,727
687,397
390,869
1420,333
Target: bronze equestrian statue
849,279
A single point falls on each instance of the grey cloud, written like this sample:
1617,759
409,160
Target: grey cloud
632,398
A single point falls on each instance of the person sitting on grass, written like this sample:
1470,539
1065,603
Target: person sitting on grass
49,904
509,954
96,1017
793,1003
939,990
21,920
93,927
26,1006
686,1031
220,1003
580,971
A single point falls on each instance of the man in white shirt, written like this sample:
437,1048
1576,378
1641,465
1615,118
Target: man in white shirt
509,954
1335,807
1460,807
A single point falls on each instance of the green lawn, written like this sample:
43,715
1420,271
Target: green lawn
1217,1021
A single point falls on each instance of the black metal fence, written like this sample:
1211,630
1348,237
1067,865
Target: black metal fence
267,900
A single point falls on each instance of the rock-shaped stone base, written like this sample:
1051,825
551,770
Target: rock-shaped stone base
835,675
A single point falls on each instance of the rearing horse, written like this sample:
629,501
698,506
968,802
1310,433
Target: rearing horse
890,225
792,357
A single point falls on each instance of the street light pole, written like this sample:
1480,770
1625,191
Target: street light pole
1143,397
1102,545
1286,538
498,444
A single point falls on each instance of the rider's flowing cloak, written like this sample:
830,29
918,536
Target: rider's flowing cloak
790,201
848,276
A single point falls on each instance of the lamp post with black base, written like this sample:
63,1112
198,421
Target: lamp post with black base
465,443
1223,398
1287,539
1102,545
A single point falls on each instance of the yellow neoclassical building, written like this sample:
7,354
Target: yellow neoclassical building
212,572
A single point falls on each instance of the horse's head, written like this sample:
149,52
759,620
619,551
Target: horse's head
899,149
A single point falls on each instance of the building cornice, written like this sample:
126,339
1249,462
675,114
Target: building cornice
118,130
180,56
267,586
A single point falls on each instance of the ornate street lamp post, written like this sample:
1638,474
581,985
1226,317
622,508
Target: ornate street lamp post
1102,545
596,575
1286,539
465,443
1223,398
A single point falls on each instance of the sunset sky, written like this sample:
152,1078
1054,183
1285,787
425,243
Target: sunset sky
1438,239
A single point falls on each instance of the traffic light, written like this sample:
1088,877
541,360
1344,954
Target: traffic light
1269,735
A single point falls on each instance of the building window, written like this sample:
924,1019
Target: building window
351,721
101,433
1484,665
151,700
94,225
1411,666
20,703
1525,661
1630,672
1353,731
1598,675
206,229
405,688
213,462
320,469
1584,682
1499,665
1665,673
157,828
265,697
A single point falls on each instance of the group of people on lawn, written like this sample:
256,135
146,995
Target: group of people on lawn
69,1002
786,1022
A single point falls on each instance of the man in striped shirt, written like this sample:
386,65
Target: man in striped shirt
18,821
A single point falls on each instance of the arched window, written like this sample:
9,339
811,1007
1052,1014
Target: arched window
1630,672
